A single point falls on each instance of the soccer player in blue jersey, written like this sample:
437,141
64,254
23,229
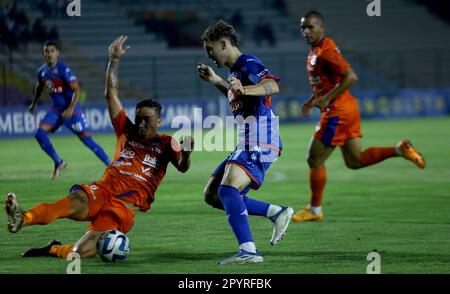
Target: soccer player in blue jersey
64,91
248,88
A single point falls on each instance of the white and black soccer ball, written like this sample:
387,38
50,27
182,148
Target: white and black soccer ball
113,245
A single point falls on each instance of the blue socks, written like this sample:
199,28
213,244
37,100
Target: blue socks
43,140
255,207
236,212
89,142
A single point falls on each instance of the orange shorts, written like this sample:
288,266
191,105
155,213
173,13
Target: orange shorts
106,212
338,124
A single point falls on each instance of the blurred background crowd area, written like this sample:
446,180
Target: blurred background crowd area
408,46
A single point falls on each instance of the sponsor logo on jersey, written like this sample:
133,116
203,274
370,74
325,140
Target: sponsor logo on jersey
134,175
122,163
127,154
263,73
149,162
148,148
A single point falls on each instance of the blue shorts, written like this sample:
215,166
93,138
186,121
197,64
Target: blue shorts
254,163
77,123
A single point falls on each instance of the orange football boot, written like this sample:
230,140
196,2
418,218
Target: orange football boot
306,215
408,152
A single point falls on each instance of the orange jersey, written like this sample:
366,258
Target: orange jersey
139,165
325,66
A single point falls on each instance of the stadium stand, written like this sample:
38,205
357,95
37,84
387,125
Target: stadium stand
389,52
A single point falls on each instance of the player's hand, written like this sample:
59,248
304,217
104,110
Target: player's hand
306,108
32,109
308,105
187,145
66,114
235,85
206,73
321,104
117,48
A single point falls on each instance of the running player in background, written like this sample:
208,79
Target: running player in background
248,89
128,184
64,91
330,77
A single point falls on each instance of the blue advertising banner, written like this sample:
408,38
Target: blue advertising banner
17,122
408,103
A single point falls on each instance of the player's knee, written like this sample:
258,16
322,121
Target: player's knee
314,161
79,203
40,134
353,164
211,197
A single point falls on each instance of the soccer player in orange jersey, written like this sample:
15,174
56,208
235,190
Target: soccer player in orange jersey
330,77
128,184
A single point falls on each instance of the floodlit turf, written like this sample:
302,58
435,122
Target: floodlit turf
395,208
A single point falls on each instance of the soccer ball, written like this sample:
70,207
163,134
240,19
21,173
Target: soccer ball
113,245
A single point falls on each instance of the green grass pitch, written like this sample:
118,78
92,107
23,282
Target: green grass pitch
393,207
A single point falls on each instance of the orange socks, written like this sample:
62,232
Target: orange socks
61,250
46,213
376,154
317,181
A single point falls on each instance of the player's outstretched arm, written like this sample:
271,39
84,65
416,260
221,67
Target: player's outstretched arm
116,50
207,73
184,161
265,87
37,95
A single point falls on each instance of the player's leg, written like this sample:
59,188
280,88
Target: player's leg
254,207
105,213
78,125
210,192
74,206
97,149
280,216
85,247
51,122
234,180
355,159
318,153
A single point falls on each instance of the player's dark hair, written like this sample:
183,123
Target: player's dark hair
150,104
221,29
51,43
314,14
